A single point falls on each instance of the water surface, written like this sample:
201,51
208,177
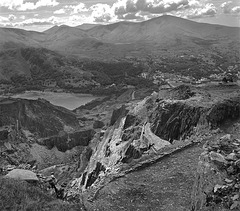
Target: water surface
67,100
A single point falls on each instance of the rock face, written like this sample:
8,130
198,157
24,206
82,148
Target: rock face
37,130
37,116
226,109
150,126
175,120
68,141
217,185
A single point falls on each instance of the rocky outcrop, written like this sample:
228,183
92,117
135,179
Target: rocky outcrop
172,121
217,185
143,129
37,116
67,141
181,92
98,124
117,113
223,110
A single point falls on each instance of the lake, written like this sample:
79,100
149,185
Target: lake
67,100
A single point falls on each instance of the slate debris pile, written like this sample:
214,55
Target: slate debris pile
225,155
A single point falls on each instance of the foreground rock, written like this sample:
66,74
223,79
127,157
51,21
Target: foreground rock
22,174
217,185
149,129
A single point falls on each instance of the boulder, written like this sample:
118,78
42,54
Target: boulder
231,156
217,158
22,174
226,137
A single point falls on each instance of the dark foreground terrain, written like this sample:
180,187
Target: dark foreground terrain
175,149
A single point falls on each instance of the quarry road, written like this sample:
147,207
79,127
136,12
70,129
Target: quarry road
164,186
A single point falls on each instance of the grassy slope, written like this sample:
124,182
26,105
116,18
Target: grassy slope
21,196
165,186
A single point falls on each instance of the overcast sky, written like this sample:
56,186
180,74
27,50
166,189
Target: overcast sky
40,15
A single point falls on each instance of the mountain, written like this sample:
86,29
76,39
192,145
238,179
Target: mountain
175,44
87,26
124,37
161,29
13,38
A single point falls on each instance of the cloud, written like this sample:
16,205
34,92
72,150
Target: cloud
34,21
3,19
22,17
102,13
81,7
236,10
151,6
51,3
145,9
60,11
131,16
228,8
72,20
209,10
11,4
11,17
22,5
72,9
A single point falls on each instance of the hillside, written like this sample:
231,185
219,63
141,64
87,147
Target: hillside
39,68
161,29
165,29
166,44
87,26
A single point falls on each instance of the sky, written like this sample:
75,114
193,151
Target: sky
39,15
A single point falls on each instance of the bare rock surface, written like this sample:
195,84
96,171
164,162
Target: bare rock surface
147,131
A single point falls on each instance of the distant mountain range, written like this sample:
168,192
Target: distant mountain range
165,36
123,37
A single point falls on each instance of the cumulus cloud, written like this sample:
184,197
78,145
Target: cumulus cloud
131,16
22,5
11,17
236,10
102,12
35,21
145,9
72,9
228,8
45,22
208,11
151,6
22,17
60,11
81,7
11,4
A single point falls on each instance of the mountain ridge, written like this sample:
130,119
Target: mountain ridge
165,39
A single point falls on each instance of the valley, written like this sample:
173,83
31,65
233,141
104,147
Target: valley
124,116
